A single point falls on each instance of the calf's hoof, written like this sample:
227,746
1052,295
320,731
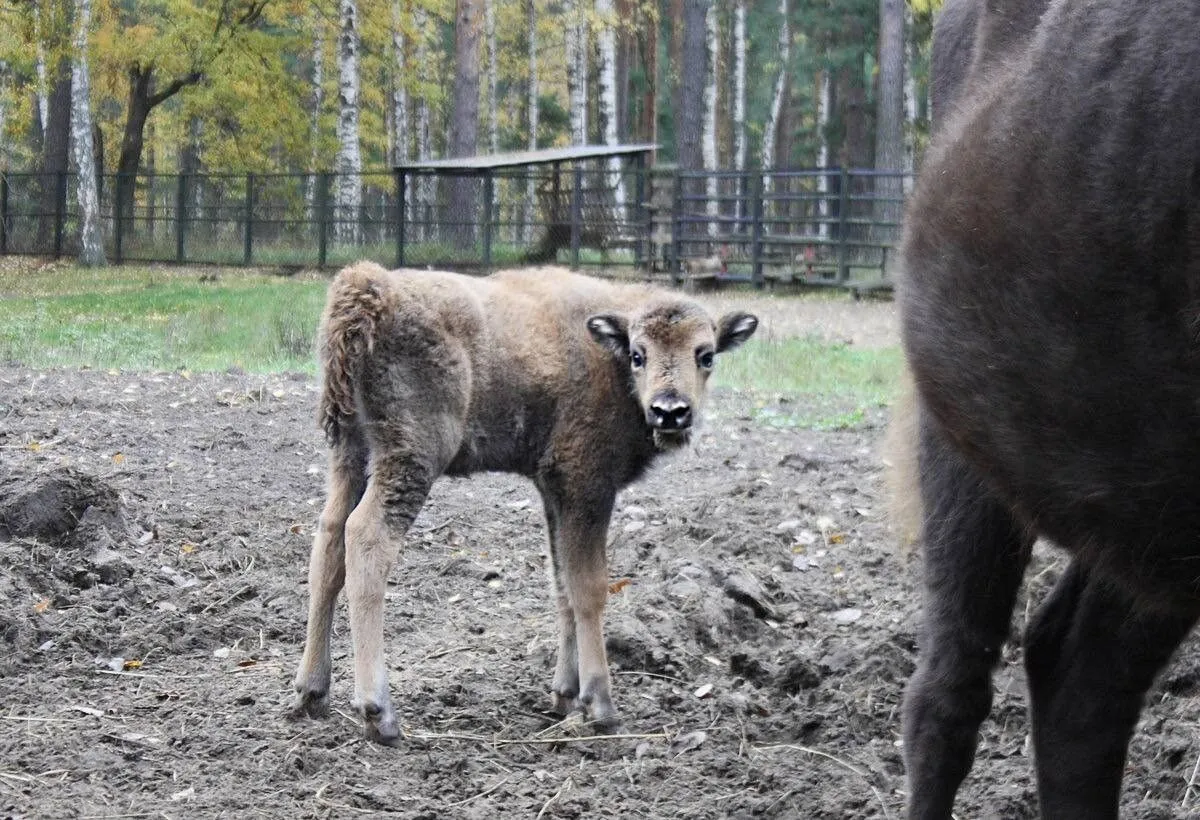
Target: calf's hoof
310,705
379,725
609,724
563,704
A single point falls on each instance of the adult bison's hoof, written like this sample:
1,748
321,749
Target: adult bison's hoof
379,725
310,705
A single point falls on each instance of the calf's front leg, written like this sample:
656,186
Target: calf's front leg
580,577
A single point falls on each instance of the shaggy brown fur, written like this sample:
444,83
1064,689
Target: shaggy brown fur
576,383
1049,313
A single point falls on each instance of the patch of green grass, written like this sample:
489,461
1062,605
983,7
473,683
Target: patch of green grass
805,382
141,318
165,319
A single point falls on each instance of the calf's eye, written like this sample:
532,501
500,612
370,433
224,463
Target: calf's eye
637,359
705,359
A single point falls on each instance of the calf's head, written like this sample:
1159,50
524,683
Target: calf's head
670,348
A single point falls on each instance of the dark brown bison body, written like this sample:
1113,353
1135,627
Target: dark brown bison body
576,383
1051,319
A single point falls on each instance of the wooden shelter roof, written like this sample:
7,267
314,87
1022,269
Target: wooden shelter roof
515,159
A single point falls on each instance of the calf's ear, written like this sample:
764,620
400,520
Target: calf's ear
735,328
610,331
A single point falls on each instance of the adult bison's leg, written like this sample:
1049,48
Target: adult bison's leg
975,556
397,488
583,576
327,572
1091,655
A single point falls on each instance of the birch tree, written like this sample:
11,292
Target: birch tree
709,146
348,165
771,129
576,48
531,18
607,71
43,96
317,101
426,184
739,85
824,105
400,144
91,251
690,117
464,116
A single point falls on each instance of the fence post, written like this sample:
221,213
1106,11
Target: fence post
576,212
756,230
488,191
60,210
180,217
3,213
248,236
843,225
322,218
677,228
401,192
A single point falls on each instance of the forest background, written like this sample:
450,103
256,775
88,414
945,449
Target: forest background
196,86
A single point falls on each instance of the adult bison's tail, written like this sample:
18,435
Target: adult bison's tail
358,298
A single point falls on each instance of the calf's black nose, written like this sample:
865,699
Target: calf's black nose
670,413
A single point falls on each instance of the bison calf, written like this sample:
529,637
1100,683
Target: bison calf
576,383
1051,318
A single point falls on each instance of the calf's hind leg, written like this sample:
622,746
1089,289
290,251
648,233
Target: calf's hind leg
975,556
395,493
1090,656
327,572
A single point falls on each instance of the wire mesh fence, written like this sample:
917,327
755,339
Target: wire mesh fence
822,226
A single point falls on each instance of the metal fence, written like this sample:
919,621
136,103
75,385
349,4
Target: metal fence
822,226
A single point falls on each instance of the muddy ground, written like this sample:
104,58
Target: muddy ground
154,533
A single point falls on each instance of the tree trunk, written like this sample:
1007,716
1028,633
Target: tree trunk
348,164
912,105
401,137
690,116
426,184
534,114
824,106
739,85
492,101
91,251
464,117
576,43
650,112
607,71
55,149
42,94
143,98
769,158
4,90
317,101
709,146
889,116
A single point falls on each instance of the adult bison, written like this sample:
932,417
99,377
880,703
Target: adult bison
1051,319
576,383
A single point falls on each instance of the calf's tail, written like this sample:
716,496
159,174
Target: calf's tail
358,298
902,470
